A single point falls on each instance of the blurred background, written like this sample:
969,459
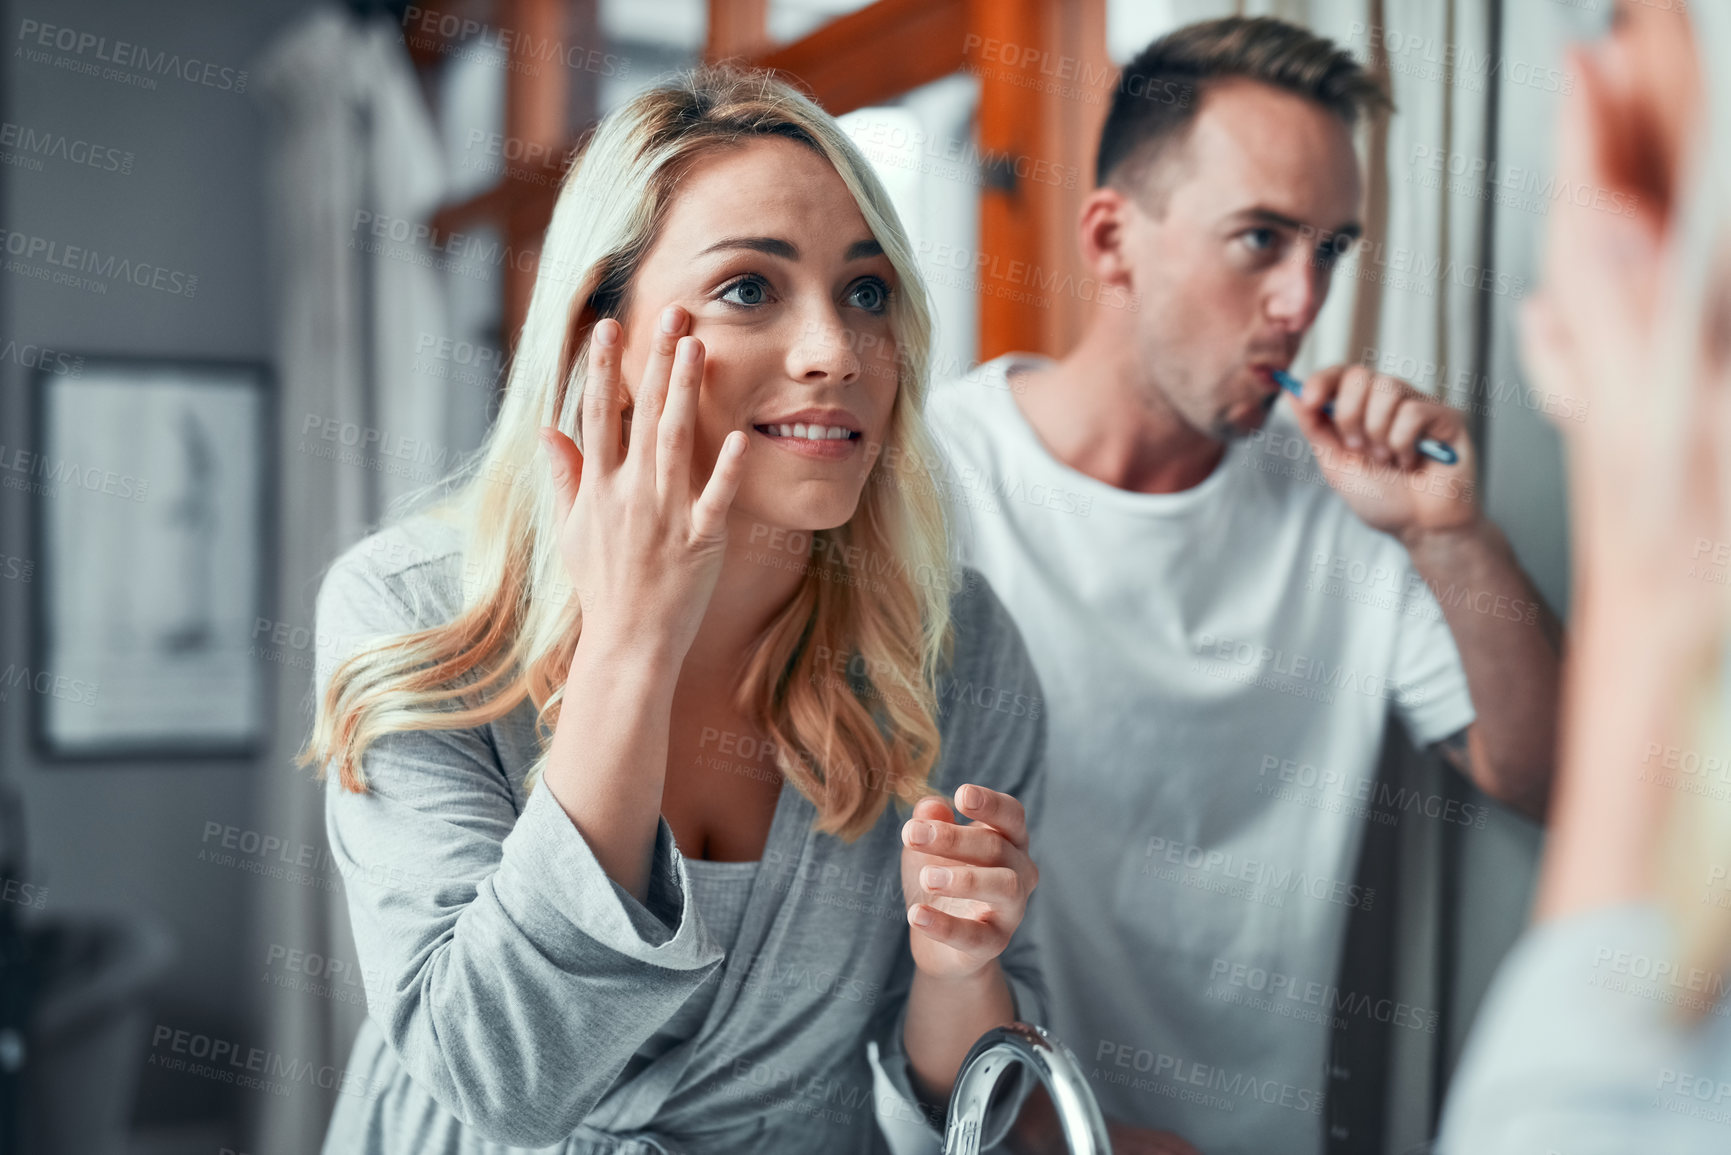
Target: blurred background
263,266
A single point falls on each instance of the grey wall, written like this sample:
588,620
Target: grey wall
127,837
1524,481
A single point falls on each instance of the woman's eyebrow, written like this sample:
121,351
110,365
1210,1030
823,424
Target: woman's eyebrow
774,246
787,250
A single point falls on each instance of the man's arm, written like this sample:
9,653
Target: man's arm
1510,646
1367,448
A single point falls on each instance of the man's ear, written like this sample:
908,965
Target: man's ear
1101,228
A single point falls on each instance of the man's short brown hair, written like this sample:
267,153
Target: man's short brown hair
1160,91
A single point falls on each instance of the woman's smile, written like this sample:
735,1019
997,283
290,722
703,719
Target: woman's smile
822,434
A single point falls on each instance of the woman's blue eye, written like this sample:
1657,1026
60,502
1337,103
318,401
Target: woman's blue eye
747,291
871,295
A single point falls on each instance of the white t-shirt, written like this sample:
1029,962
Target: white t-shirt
1218,666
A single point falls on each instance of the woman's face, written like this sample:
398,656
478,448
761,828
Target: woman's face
766,250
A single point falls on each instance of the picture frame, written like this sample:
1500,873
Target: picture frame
152,489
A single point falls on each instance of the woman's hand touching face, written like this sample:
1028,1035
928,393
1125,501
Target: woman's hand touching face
966,886
768,253
1592,336
642,543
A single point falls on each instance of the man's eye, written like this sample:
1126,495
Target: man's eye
1259,240
870,294
1333,250
749,291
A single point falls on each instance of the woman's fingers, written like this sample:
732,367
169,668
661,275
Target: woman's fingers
600,417
998,887
977,844
1003,812
567,466
650,395
709,511
678,431
970,936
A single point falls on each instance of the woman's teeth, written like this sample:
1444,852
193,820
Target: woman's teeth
809,432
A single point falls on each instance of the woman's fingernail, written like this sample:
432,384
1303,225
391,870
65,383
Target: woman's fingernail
919,916
968,797
687,350
936,877
605,334
920,833
670,319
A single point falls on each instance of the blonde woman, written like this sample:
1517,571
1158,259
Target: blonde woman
1607,1030
624,765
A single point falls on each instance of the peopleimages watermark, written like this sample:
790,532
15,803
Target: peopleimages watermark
1660,980
1309,1000
1174,1072
1014,279
120,60
891,144
28,355
1063,75
21,893
528,161
319,975
1688,771
1401,267
1399,588
59,263
1296,669
1511,186
386,451
48,684
225,1061
1485,393
274,856
457,36
1428,57
853,565
20,468
849,888
1259,881
1330,790
1685,1093
289,644
453,359
27,148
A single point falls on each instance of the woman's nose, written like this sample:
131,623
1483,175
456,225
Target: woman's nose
826,349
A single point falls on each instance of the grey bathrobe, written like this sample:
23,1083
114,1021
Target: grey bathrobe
510,982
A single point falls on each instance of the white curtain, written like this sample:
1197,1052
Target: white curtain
351,136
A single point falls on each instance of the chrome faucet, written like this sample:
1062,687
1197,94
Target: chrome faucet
996,1052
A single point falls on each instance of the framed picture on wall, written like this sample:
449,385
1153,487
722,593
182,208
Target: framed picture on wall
150,483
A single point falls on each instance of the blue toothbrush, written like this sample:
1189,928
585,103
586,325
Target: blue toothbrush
1429,446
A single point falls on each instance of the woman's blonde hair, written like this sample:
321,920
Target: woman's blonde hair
843,681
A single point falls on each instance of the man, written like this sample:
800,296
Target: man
1225,597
